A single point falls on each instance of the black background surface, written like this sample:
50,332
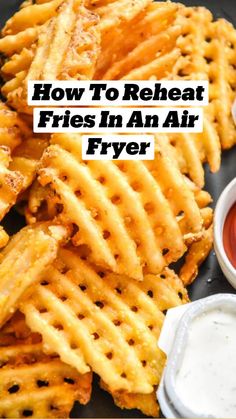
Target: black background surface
210,280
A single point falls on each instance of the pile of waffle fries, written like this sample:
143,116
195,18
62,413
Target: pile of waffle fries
85,285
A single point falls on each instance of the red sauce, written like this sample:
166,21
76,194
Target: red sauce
229,235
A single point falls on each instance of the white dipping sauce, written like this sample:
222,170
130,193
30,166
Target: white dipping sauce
206,380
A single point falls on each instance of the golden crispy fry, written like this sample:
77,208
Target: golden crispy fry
207,215
108,322
20,152
33,16
144,53
203,198
23,261
11,182
63,44
165,171
156,69
41,204
3,237
19,155
192,150
147,403
209,50
35,384
25,159
12,128
133,31
125,212
22,30
209,144
195,256
14,44
116,12
18,63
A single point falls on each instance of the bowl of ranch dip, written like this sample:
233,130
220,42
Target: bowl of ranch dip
199,380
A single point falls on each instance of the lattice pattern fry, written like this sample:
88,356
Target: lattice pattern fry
209,51
12,128
192,150
33,384
53,40
11,182
108,322
120,209
146,34
23,261
147,403
26,157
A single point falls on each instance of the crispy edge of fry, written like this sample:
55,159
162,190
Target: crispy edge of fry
17,278
146,403
195,256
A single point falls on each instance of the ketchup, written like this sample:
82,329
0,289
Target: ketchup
229,235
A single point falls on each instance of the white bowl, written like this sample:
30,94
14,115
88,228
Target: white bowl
170,402
225,202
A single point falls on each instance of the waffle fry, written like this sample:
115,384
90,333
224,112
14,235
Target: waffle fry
156,45
11,182
147,403
22,30
23,264
33,16
20,153
59,41
12,128
115,12
3,237
26,157
98,304
195,256
32,383
128,208
139,33
192,150
108,322
209,51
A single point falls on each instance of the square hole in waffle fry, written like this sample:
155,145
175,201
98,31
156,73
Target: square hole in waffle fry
124,212
32,383
63,44
104,321
23,261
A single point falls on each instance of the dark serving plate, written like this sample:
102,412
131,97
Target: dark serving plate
210,280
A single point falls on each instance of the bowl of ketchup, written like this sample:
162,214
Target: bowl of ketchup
225,232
